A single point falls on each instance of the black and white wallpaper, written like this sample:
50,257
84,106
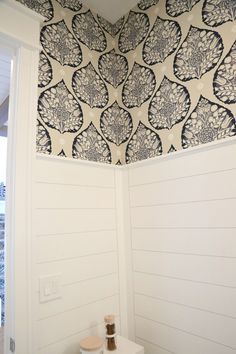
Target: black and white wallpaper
79,113
161,79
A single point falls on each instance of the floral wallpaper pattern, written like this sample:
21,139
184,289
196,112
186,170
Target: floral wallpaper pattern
145,143
112,29
116,124
59,43
89,87
43,7
73,5
88,31
59,109
113,68
90,145
209,121
145,4
225,78
215,13
162,41
176,8
45,70
199,53
169,105
159,80
43,140
134,31
139,86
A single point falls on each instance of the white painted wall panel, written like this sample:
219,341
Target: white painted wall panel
175,340
82,268
181,190
61,221
197,268
65,324
70,345
75,236
197,214
208,297
203,241
82,293
217,328
69,171
185,163
75,245
184,251
53,196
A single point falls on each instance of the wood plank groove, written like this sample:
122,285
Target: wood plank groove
174,339
184,252
203,296
213,327
75,236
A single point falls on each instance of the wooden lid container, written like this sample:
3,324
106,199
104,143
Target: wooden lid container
91,344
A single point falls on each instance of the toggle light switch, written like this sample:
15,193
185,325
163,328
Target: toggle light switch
50,287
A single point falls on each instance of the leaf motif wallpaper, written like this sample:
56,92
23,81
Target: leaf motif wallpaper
191,49
161,79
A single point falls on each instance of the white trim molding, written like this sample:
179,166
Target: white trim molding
19,24
70,160
218,144
123,227
19,32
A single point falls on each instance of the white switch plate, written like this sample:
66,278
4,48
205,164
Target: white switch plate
50,287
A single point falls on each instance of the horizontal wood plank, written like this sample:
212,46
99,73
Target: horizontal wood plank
220,185
74,245
207,297
71,322
50,196
71,343
80,294
79,269
208,325
205,241
52,221
199,214
211,270
65,171
175,340
200,162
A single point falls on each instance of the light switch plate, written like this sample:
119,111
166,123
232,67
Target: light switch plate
50,287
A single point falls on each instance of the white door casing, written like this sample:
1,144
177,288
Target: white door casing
19,32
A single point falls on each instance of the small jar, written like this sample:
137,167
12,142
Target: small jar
91,345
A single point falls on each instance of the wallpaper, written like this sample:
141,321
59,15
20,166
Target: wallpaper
163,78
181,87
79,72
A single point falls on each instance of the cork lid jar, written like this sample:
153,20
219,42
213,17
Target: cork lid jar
91,345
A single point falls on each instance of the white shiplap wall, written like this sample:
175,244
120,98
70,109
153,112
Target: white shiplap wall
75,235
154,243
184,251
